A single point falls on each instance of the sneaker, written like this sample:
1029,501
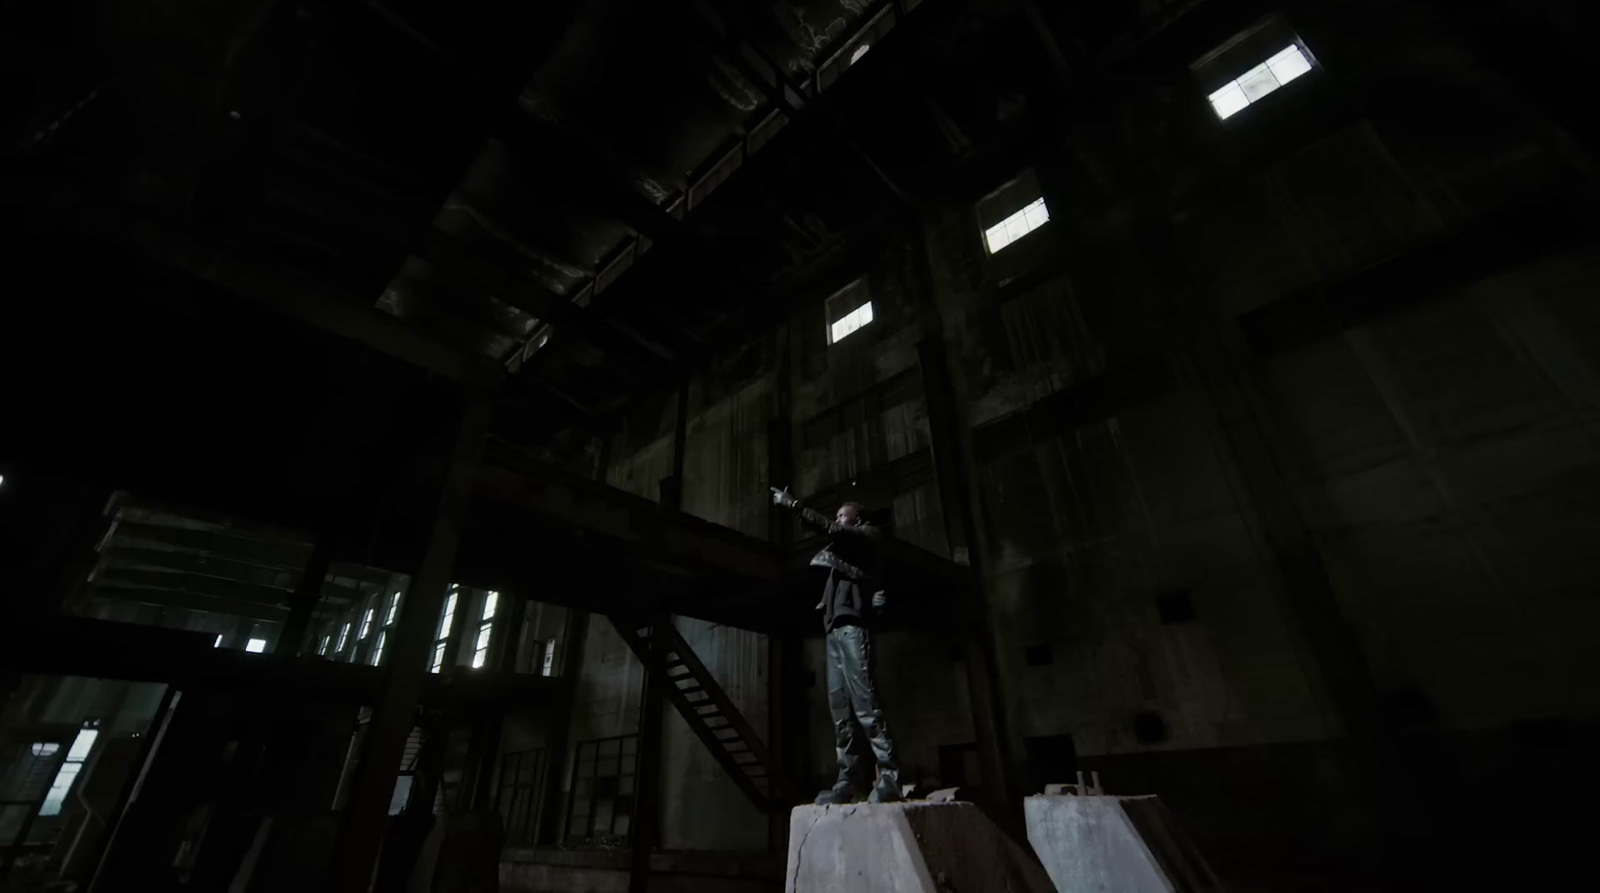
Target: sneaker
843,792
887,790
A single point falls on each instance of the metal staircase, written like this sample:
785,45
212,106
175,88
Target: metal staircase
709,712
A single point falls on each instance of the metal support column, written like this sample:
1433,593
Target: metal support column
362,824
983,678
484,749
303,603
560,737
672,487
643,829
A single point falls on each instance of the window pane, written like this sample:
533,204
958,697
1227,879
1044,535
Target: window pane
1258,82
850,322
489,602
438,657
1289,64
82,744
1229,100
394,610
256,646
57,795
1027,219
402,793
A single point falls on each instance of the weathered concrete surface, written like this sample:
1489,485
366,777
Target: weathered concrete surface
905,848
1119,844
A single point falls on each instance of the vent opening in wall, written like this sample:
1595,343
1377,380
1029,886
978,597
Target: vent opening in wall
1175,607
1149,728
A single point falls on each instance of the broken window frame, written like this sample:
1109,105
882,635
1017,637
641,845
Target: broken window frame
586,786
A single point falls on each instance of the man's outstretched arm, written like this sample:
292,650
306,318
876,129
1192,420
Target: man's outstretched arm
788,500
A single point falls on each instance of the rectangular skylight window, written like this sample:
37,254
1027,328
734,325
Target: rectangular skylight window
68,773
851,321
1025,221
255,646
1288,64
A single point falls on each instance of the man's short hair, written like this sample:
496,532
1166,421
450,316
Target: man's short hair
856,508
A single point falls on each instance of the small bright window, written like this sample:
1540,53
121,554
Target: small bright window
46,749
366,623
326,641
850,322
548,667
344,637
255,646
1019,224
68,773
1284,66
859,51
218,642
446,621
377,650
480,648
394,610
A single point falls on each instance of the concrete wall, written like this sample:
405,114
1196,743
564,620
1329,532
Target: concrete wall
1437,438
701,808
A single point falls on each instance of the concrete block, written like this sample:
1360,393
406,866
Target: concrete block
1117,844
913,847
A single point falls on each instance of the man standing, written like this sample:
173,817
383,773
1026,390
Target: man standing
851,559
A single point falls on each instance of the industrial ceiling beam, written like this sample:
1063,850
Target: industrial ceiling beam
278,555
450,255
212,566
283,291
179,581
190,601
586,160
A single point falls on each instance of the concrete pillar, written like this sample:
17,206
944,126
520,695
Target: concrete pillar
983,677
364,819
